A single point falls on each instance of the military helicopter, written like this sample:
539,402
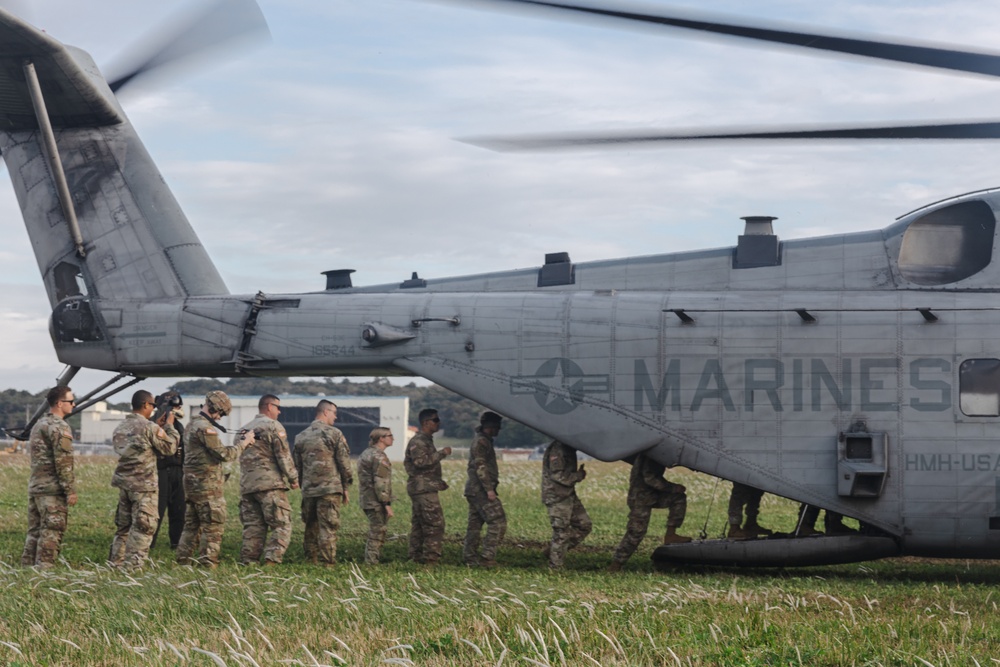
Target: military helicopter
847,372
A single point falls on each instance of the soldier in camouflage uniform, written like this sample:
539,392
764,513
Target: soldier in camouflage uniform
749,497
205,507
481,494
375,491
323,460
51,487
423,469
648,489
137,441
266,474
569,519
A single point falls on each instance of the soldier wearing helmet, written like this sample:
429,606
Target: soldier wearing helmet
204,455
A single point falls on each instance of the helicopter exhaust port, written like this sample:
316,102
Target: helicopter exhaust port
758,246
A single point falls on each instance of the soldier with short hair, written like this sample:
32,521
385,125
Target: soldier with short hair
267,472
481,493
51,486
648,489
204,456
375,491
570,522
424,480
323,460
137,441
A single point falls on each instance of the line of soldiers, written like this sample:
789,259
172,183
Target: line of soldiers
321,467
648,489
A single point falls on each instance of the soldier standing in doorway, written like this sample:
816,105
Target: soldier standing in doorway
138,441
323,460
648,489
423,468
267,472
51,486
481,493
375,491
570,522
205,506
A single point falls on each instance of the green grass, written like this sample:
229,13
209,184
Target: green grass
894,612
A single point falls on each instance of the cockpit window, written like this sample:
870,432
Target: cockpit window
949,244
979,387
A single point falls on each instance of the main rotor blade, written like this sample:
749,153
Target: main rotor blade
220,23
569,140
914,54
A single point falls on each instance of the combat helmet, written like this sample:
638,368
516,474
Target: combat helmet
217,401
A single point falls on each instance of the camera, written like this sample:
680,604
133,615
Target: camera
165,403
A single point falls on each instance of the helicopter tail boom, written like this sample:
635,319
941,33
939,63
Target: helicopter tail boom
101,220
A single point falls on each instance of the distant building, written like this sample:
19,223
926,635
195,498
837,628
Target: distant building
356,417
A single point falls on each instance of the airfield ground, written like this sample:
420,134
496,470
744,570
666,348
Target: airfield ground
894,612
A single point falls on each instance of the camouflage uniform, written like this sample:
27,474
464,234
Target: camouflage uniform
647,489
51,481
744,495
483,477
323,460
375,491
423,469
137,442
569,519
266,473
205,507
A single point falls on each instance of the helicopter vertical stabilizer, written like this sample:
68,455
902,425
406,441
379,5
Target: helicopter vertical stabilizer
102,222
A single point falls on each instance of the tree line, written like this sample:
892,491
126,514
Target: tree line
459,415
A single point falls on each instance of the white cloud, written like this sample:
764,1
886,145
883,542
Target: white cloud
337,140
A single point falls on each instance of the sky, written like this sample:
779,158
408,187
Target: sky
333,146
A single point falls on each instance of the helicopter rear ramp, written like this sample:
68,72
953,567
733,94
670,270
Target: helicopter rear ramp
777,552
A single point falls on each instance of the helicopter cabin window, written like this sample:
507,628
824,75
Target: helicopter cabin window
979,387
949,244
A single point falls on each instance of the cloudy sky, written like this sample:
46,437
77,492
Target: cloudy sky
333,146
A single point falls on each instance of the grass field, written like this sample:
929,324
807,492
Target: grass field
894,612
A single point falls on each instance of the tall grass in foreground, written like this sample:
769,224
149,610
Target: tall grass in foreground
899,612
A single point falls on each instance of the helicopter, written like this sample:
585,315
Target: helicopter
852,372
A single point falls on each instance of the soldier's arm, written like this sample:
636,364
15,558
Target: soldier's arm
284,458
383,480
478,454
165,439
423,455
342,455
215,446
297,458
61,441
563,472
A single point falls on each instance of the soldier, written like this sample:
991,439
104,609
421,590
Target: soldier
323,460
481,493
204,455
51,486
423,469
569,519
266,474
833,522
170,471
744,495
375,491
648,489
137,441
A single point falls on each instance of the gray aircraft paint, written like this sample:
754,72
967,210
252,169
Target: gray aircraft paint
751,374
